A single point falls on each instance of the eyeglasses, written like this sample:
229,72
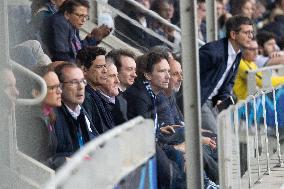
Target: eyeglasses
53,88
82,16
76,82
247,33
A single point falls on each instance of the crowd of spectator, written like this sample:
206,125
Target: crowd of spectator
90,91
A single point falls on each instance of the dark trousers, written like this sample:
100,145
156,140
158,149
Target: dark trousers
210,161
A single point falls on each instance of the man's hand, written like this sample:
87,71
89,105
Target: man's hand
205,130
169,129
101,32
218,102
276,54
180,147
209,141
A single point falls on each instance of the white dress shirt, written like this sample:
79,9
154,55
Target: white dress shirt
232,54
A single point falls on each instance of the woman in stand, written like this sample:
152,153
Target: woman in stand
37,121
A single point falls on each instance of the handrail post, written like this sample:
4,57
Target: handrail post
5,123
256,139
211,21
191,85
251,83
265,131
248,146
266,79
280,163
236,129
223,181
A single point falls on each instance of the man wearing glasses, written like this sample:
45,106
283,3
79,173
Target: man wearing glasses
73,126
62,31
219,62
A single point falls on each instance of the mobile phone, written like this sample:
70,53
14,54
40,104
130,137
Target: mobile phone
225,104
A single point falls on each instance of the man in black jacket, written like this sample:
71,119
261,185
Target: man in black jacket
101,102
73,126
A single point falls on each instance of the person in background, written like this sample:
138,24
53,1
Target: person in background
201,19
130,33
41,10
165,8
270,53
248,64
242,7
61,31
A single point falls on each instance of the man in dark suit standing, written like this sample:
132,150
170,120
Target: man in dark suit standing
219,61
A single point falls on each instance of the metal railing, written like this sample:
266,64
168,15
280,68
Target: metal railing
115,12
267,73
104,162
249,138
41,82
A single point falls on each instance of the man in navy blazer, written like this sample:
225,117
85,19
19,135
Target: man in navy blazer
219,61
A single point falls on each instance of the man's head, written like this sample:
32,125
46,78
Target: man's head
220,8
73,84
251,51
164,8
111,86
75,11
242,7
124,60
247,8
176,76
239,30
266,42
201,10
157,71
164,49
91,59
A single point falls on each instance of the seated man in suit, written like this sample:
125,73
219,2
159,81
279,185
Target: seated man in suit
101,89
73,126
61,34
115,103
145,98
209,143
142,97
